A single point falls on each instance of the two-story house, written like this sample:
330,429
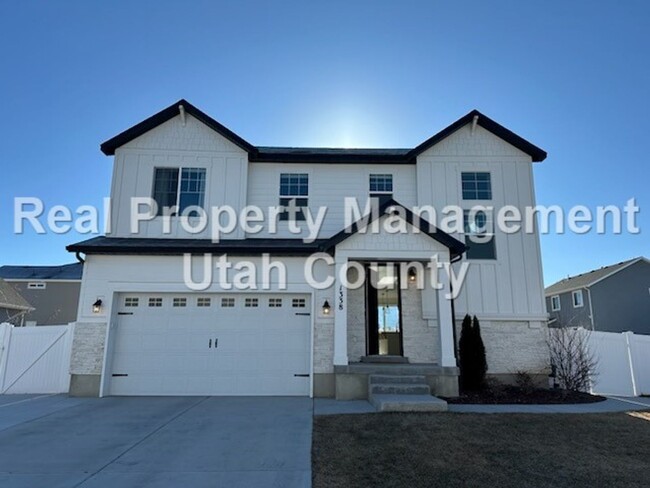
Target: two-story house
168,307
614,298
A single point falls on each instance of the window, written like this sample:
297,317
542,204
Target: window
184,187
294,190
577,299
179,302
203,302
131,301
155,302
227,302
36,286
381,185
251,302
298,303
275,302
555,303
479,235
476,186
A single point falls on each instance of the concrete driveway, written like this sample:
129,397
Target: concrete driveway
55,441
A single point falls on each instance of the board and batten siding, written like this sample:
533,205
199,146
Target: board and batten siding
511,286
173,145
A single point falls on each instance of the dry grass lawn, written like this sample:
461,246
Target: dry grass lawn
499,450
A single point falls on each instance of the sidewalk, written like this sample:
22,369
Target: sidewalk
327,406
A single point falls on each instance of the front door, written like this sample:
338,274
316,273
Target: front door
383,311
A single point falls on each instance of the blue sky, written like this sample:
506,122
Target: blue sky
572,77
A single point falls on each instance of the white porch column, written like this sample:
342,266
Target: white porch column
340,308
446,321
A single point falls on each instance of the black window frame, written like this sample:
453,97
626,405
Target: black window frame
184,188
476,185
294,189
479,250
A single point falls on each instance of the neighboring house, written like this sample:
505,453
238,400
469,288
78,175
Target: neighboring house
141,331
53,291
614,298
13,307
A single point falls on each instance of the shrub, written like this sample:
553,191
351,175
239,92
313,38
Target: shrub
472,361
571,359
525,382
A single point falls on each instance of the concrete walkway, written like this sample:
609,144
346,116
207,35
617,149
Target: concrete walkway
61,442
323,406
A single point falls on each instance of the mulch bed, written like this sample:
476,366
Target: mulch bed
515,395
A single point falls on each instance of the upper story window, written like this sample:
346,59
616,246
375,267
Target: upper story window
476,186
555,303
182,187
381,185
479,235
294,192
577,299
36,286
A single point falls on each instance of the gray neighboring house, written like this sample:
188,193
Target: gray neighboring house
614,298
52,291
13,307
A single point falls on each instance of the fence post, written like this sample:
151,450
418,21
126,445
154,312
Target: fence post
629,337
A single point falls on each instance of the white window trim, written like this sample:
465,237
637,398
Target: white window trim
559,303
574,294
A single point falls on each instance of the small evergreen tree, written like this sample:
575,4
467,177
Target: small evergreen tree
473,363
465,353
479,353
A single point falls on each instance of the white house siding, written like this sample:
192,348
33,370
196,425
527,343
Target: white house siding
329,185
173,145
510,287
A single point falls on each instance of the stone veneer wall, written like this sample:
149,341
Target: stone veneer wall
513,346
421,341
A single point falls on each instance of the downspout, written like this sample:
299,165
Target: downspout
79,258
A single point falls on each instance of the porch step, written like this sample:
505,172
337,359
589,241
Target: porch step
408,403
399,389
402,393
380,359
393,379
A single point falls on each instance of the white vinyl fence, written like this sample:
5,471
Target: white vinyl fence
623,363
35,359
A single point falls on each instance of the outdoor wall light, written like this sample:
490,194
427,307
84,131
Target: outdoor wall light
326,308
412,275
97,306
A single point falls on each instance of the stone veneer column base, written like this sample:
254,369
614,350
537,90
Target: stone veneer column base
84,385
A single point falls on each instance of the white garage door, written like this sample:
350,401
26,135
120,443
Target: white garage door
189,344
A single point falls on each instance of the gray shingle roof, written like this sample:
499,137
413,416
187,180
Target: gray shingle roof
586,279
64,272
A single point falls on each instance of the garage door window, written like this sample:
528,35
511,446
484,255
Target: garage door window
203,302
275,302
298,303
227,302
131,301
180,302
251,302
155,302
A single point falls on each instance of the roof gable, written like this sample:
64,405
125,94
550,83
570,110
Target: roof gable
167,114
455,247
488,124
